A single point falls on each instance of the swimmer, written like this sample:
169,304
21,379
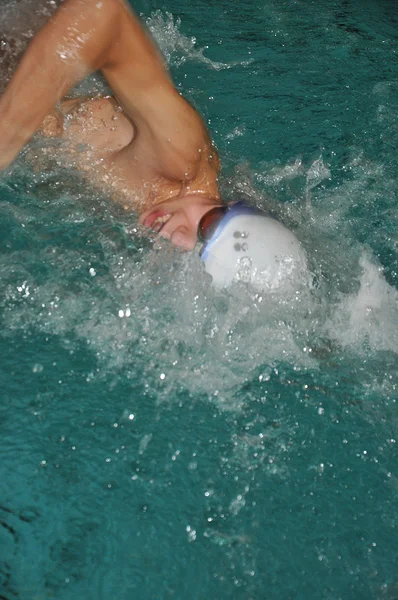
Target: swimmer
145,143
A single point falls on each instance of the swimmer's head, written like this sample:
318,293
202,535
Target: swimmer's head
177,219
242,243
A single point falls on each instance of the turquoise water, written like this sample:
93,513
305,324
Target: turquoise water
160,439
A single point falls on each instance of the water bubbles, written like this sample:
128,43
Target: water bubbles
245,269
24,289
265,375
191,533
175,455
317,173
237,504
236,132
144,442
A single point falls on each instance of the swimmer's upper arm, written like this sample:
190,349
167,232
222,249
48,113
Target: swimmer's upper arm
81,37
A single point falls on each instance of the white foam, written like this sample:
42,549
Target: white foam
159,315
154,313
367,318
279,173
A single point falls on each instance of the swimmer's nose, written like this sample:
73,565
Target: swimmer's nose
184,238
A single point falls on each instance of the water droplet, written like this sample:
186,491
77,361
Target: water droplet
245,269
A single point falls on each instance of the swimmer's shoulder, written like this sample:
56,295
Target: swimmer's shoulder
97,123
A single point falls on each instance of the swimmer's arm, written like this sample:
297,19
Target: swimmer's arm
83,36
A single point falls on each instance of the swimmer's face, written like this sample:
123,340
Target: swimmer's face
177,220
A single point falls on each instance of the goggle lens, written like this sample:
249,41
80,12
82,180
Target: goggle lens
210,221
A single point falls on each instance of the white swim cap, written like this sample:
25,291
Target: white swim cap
242,243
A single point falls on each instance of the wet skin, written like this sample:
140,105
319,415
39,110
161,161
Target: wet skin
145,144
100,139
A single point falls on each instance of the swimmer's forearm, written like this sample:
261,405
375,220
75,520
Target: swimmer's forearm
72,44
83,36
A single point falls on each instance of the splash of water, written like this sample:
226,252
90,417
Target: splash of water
178,48
365,319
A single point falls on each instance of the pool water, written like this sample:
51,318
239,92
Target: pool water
162,439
